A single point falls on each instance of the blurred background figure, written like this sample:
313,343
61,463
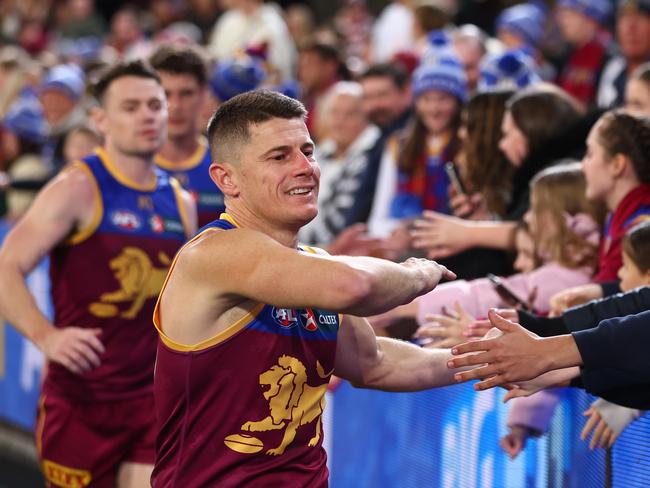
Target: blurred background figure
582,25
387,104
252,22
393,30
62,96
80,142
319,67
633,37
470,47
343,158
228,78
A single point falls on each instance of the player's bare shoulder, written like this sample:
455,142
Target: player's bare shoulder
72,195
217,253
76,183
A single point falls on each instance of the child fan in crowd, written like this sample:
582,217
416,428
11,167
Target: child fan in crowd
412,177
564,226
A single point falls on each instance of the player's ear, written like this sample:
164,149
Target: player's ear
98,118
224,176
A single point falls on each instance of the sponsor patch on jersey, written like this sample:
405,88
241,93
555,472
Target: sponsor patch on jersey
309,320
159,225
327,318
126,220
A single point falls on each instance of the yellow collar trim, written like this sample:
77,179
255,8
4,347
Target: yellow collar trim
228,217
122,178
190,163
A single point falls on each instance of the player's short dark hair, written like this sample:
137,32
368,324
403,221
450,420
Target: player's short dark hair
137,68
228,129
180,60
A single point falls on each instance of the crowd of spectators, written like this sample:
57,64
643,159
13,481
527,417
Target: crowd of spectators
441,130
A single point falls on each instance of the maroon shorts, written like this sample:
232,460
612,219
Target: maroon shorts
83,444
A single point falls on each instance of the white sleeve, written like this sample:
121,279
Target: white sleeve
380,224
615,416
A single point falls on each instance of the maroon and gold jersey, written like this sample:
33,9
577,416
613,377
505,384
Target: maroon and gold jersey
244,408
194,176
108,276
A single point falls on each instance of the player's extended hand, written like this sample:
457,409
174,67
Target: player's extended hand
75,348
514,442
441,235
445,330
571,297
603,436
429,272
508,358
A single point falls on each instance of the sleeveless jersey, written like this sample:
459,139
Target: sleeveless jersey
244,408
108,276
193,175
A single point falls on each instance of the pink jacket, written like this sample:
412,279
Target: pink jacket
478,296
535,411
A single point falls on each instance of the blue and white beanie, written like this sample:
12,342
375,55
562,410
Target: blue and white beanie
511,69
25,118
598,10
290,88
66,78
439,46
524,20
445,75
235,76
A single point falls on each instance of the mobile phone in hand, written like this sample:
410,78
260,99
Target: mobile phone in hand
506,294
454,177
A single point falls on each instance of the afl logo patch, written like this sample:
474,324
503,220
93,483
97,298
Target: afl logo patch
285,317
125,220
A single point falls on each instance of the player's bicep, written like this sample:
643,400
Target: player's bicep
248,264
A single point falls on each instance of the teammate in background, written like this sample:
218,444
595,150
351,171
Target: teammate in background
185,154
249,323
111,224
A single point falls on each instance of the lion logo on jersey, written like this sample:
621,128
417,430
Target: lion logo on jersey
292,402
138,280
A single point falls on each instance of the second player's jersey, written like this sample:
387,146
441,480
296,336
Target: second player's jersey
193,175
244,408
108,276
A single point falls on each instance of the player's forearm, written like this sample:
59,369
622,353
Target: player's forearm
18,307
402,366
386,285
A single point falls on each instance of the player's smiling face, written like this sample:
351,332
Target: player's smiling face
280,174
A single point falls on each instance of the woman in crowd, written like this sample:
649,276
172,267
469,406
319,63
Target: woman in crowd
542,125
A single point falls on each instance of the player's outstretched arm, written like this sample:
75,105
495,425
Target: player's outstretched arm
63,206
387,364
248,264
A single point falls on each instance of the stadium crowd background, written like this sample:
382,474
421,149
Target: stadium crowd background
503,90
